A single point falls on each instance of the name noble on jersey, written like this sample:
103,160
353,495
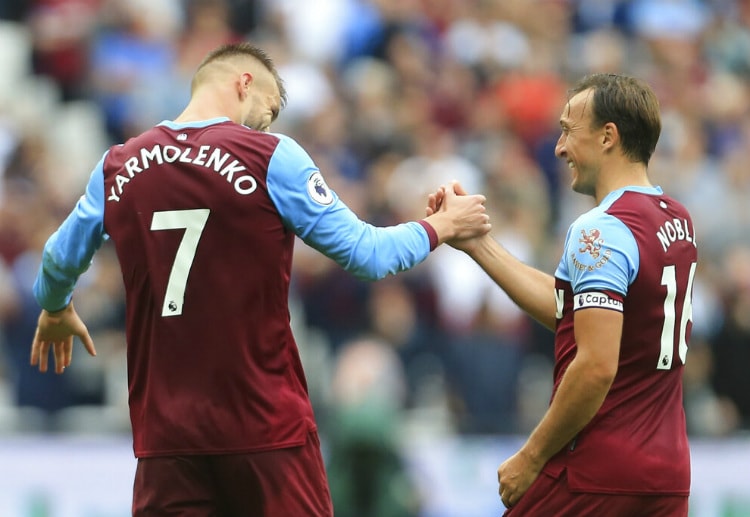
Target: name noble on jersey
673,231
211,158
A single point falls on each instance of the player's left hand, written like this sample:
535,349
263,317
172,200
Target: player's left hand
515,476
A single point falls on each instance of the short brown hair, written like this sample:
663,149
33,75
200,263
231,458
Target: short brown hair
245,49
631,105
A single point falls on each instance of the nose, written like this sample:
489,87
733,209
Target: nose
560,147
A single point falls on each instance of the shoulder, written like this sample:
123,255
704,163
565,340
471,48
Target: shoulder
648,211
286,141
599,233
597,217
641,201
289,151
598,229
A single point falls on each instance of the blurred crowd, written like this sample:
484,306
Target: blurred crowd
392,98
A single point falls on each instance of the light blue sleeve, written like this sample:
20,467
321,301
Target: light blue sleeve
316,214
601,254
68,251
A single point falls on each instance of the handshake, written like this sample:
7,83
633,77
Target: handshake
459,219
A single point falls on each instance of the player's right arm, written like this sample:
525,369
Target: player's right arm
531,289
316,214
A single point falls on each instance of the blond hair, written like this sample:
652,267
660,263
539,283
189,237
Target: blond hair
229,52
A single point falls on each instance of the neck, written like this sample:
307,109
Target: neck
203,106
627,174
191,114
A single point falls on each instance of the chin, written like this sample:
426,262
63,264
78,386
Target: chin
582,188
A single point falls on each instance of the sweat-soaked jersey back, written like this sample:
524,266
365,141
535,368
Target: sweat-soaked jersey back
637,442
206,262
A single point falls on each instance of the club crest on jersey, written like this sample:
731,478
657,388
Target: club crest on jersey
318,190
591,243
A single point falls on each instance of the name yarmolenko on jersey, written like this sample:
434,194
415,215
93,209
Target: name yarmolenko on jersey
206,156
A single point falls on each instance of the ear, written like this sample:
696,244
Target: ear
610,135
243,84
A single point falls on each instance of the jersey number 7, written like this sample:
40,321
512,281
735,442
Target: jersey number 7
193,222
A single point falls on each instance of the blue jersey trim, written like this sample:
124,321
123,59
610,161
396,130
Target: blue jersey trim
171,124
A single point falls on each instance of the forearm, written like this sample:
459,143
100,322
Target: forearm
367,251
53,287
69,250
63,261
531,289
578,398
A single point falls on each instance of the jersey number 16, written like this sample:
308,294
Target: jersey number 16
669,280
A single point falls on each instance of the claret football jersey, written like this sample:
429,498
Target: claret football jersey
203,217
635,253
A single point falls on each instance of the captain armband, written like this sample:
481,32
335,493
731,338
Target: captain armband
602,300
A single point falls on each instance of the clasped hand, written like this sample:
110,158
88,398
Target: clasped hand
474,224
